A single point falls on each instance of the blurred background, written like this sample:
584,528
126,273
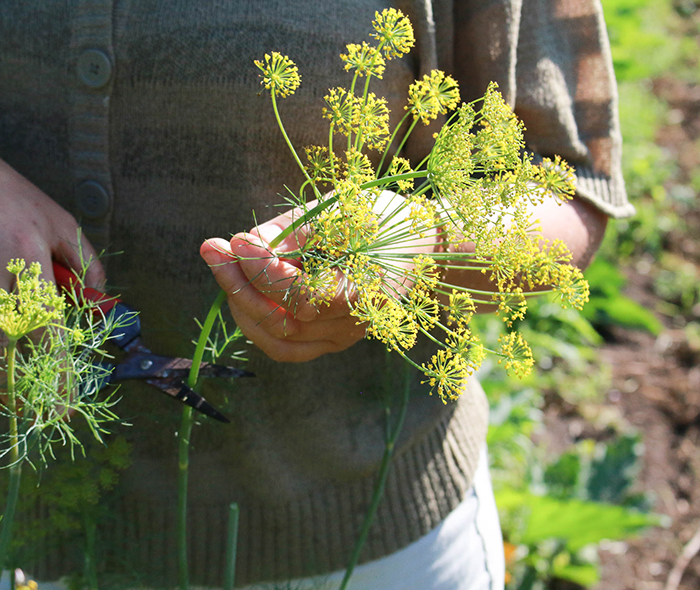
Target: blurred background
597,473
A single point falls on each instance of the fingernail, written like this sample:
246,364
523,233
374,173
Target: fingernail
212,257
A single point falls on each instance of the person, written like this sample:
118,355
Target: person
140,122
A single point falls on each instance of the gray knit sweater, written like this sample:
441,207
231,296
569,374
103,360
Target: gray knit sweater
160,139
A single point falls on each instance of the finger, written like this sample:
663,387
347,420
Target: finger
270,230
245,300
281,280
342,332
77,257
277,278
282,349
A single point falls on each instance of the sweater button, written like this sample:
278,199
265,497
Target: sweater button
94,68
92,199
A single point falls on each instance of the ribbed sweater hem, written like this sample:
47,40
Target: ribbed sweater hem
311,535
605,193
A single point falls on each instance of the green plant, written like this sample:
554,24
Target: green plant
52,377
215,345
607,305
582,498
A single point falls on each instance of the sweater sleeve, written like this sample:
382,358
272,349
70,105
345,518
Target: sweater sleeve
551,59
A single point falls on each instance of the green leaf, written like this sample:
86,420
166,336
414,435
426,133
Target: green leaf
575,522
584,575
622,311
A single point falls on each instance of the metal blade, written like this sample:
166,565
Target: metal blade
144,365
188,396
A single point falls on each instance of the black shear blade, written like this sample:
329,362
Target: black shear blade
188,396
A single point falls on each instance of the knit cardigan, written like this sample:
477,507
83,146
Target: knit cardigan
174,144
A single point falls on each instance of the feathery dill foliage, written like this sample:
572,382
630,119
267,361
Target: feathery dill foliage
468,202
48,372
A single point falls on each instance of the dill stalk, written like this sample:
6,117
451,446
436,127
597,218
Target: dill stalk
15,463
184,446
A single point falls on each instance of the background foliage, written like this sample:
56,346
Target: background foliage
557,504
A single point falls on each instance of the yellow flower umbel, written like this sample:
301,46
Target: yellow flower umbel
394,32
280,74
476,186
35,303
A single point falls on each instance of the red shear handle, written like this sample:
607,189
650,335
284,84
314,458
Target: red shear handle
66,279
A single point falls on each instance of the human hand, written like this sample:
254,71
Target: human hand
35,228
282,322
256,279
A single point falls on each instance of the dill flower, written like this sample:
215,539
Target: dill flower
500,142
394,32
398,166
425,273
476,185
436,94
386,320
319,164
515,354
319,280
364,59
571,286
466,344
358,167
34,304
512,305
372,121
460,308
423,308
446,373
556,177
422,213
450,163
280,74
340,109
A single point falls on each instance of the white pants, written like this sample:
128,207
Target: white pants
465,552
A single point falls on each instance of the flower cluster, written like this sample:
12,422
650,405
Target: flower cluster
280,74
48,370
465,206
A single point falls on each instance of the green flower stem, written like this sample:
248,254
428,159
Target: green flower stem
405,137
328,201
359,140
331,161
182,480
231,547
391,140
90,553
386,180
289,143
184,447
8,516
381,481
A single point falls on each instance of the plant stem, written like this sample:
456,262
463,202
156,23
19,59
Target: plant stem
90,554
183,476
391,437
184,446
391,141
231,547
330,200
8,516
289,143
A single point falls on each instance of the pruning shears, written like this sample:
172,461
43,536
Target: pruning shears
166,373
